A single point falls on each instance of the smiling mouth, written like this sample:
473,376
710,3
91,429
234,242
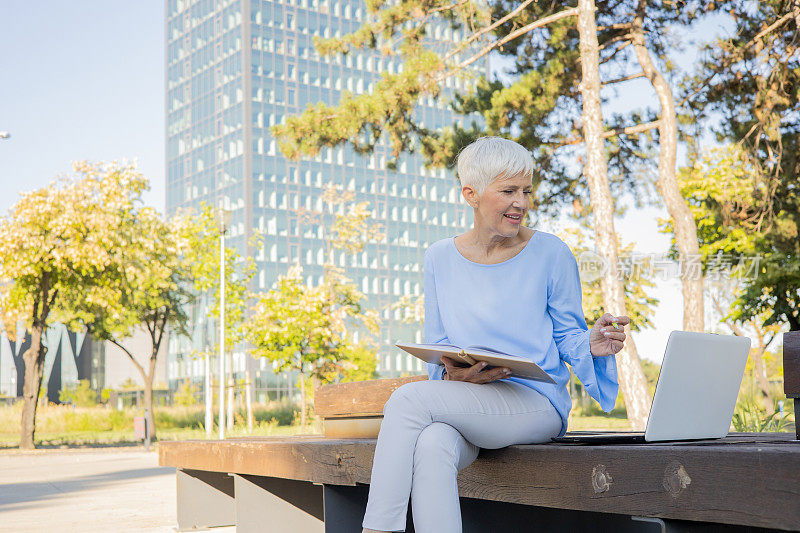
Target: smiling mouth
515,217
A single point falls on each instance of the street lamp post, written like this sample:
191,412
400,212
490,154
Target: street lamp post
223,221
207,388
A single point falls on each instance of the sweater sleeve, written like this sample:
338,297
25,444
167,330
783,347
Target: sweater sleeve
571,335
434,330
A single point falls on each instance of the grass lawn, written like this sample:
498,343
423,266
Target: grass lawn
72,439
64,438
64,426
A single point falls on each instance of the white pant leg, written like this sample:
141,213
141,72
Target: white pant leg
441,451
493,415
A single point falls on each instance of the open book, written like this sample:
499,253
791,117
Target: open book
520,367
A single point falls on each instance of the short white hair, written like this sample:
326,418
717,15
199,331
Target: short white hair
491,158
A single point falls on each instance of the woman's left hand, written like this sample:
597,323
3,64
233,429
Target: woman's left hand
605,339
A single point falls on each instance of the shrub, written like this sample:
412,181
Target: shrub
79,395
283,412
750,417
186,394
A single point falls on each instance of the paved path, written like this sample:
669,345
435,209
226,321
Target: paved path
104,489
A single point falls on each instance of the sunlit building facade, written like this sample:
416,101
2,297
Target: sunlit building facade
235,68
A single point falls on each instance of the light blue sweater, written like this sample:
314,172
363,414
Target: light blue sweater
529,305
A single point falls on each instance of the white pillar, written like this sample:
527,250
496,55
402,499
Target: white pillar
222,332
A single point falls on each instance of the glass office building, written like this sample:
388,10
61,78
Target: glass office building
237,67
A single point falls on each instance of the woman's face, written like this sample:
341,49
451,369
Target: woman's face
503,203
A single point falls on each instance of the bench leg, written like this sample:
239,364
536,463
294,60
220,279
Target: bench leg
266,504
205,500
345,506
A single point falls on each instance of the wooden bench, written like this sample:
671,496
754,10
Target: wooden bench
745,482
316,484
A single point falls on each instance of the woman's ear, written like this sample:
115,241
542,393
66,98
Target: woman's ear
470,195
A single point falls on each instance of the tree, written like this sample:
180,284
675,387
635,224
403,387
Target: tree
145,284
349,229
634,270
304,328
202,258
350,225
632,380
747,87
684,227
540,101
56,242
730,201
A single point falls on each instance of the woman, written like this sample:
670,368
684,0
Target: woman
510,288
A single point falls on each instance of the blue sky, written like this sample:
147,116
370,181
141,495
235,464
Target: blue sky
85,80
80,80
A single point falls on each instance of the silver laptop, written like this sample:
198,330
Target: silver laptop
695,394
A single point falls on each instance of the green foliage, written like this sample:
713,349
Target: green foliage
735,203
64,419
749,417
186,394
59,246
81,394
144,285
639,304
144,281
306,328
351,230
357,363
727,199
59,241
202,258
535,100
752,79
282,413
129,384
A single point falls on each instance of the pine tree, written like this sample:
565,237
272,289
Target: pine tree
540,101
748,85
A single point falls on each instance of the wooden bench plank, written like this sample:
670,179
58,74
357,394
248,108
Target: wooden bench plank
338,462
747,480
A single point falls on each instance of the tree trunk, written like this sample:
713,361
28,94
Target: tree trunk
302,400
631,376
683,221
34,368
148,399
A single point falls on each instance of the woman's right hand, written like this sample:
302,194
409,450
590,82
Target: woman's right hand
474,373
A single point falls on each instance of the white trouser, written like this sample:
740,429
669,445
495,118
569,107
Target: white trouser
433,429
